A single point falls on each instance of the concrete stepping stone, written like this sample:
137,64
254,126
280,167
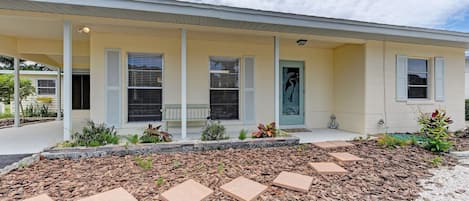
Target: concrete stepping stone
118,194
332,144
327,168
188,190
243,189
42,197
293,181
345,157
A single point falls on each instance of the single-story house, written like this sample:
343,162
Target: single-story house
467,76
159,60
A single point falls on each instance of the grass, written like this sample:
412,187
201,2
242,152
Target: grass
145,164
243,134
7,113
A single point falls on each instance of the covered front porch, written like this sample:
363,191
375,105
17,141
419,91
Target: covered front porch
327,72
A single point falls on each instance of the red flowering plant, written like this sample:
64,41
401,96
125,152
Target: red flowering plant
435,127
263,131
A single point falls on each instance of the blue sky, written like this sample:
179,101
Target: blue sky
440,14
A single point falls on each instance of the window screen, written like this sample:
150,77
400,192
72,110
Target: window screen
46,87
224,88
417,78
145,84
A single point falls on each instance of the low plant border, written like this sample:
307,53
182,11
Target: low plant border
138,149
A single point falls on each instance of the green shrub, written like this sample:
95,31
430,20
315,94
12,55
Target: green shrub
95,135
242,134
155,135
467,109
214,131
435,127
392,142
132,139
436,161
159,182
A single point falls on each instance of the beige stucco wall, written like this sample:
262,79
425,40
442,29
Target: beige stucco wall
349,84
380,98
318,72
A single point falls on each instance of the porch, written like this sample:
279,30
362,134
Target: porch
331,72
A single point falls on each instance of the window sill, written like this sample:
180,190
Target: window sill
420,102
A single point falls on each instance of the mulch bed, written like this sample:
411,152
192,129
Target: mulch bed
461,144
385,174
6,123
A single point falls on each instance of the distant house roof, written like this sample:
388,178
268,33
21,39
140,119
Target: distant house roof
178,12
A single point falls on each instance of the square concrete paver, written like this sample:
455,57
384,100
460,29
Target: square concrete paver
327,168
188,190
243,189
345,157
118,194
42,197
332,144
293,181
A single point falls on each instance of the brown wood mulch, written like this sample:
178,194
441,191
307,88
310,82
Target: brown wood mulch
384,174
461,144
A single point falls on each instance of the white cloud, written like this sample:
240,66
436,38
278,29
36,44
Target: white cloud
421,13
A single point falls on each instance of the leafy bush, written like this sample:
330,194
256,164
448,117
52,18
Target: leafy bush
95,135
467,109
392,142
268,130
132,139
242,134
155,135
435,127
214,131
44,99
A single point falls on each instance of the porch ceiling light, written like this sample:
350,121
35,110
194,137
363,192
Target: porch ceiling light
84,29
301,42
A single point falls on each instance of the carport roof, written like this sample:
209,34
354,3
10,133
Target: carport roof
186,13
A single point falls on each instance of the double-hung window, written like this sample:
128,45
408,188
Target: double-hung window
417,78
145,86
224,88
46,87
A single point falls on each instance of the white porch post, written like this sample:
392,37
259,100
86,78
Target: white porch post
67,67
59,95
277,81
17,91
183,84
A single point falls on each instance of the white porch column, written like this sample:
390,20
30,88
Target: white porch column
183,84
59,95
67,67
16,88
277,80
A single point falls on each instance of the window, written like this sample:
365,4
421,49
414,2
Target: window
224,88
46,87
417,78
145,86
80,92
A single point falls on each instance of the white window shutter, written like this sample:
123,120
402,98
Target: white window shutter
249,92
113,87
439,79
401,78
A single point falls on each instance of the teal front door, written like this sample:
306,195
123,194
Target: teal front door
291,93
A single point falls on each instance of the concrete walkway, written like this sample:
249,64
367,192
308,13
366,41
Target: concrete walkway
325,134
30,138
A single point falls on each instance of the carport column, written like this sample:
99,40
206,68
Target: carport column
67,67
183,84
17,91
59,95
277,81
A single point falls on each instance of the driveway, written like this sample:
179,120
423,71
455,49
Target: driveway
30,138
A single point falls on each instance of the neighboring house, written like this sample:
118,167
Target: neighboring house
249,66
45,84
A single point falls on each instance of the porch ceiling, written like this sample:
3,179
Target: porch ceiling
184,13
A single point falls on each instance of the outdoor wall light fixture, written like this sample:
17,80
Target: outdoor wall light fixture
84,29
301,42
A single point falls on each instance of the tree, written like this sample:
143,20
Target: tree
7,89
